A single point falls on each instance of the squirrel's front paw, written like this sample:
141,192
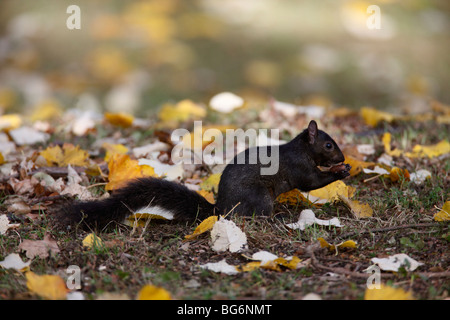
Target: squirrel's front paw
342,170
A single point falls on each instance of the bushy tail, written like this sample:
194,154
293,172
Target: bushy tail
150,193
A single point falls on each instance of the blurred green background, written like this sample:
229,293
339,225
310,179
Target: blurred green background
136,55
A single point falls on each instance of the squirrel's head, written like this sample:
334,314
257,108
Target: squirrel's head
323,149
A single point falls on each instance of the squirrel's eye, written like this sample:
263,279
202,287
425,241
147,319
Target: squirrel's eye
329,146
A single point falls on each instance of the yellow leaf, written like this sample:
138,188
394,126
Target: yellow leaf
2,159
122,169
294,197
205,135
357,165
345,244
444,214
291,264
208,195
120,119
360,210
250,266
372,116
387,293
69,154
182,111
46,110
211,183
112,149
386,139
397,173
47,286
10,122
420,151
108,63
92,241
332,191
204,226
150,292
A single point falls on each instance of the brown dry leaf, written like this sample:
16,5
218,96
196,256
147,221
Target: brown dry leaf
123,169
68,154
41,248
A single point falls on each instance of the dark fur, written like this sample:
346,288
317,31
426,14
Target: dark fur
242,188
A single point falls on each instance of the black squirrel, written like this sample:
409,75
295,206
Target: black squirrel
242,188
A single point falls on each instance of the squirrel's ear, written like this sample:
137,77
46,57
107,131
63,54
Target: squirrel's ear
312,132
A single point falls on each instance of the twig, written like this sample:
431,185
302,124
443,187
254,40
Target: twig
403,226
363,275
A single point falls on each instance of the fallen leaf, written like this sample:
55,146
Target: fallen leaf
387,293
332,247
444,213
27,136
267,260
357,165
41,248
373,116
68,154
120,119
221,266
150,292
307,217
92,241
226,102
204,226
10,121
398,173
386,140
420,151
208,195
5,225
180,112
332,191
112,149
294,197
50,287
359,210
393,263
169,172
420,176
13,261
123,169
226,236
211,183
